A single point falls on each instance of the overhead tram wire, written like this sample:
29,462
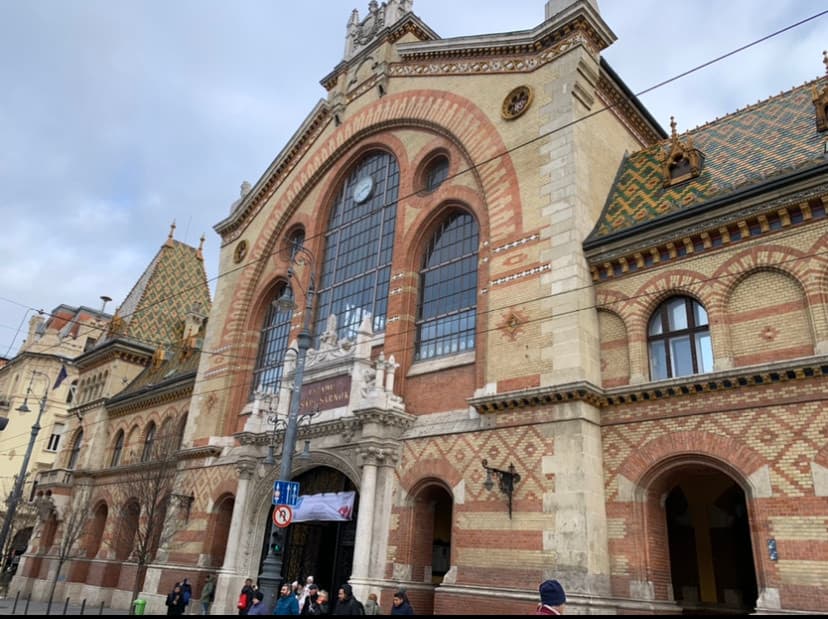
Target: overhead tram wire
245,371
514,148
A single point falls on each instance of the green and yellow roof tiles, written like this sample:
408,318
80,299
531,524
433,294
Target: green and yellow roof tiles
175,282
767,139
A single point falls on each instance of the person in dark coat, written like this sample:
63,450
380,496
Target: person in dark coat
322,600
400,604
175,601
258,607
348,604
246,596
311,605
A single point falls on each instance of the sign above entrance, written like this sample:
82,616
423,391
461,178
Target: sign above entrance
282,516
285,492
328,506
325,394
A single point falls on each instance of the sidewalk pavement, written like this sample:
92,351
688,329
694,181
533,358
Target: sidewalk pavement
39,608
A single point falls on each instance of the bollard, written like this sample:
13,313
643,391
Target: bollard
16,597
28,599
100,612
83,606
66,606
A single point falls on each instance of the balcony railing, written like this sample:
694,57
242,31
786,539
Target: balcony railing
54,478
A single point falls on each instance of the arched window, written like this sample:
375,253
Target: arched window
272,346
447,310
679,339
75,453
358,247
436,172
118,449
149,440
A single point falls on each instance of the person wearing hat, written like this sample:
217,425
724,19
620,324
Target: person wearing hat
258,607
346,603
552,598
311,605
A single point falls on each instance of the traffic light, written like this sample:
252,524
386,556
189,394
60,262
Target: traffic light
276,545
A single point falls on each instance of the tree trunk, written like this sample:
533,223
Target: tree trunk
140,573
54,584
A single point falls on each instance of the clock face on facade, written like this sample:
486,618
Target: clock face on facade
363,189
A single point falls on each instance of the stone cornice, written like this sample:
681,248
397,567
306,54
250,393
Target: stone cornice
346,426
814,367
577,17
152,395
121,349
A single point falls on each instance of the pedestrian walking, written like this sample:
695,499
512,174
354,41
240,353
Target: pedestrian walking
347,604
258,607
186,592
246,597
323,600
175,601
552,598
400,604
208,594
311,605
372,606
287,604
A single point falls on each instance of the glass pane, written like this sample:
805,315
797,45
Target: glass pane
655,324
677,314
700,314
681,357
658,361
704,352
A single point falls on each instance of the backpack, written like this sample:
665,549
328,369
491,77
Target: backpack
242,603
186,596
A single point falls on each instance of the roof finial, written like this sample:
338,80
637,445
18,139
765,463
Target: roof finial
199,253
825,60
170,236
673,125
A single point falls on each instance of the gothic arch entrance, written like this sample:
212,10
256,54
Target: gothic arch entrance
708,540
324,550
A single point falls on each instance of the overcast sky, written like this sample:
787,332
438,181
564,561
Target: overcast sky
117,117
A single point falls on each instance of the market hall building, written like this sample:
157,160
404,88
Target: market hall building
514,275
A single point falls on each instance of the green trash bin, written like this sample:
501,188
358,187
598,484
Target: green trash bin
139,605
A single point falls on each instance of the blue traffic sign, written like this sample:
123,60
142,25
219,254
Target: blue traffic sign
285,493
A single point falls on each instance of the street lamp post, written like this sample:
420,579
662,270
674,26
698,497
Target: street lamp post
17,492
271,576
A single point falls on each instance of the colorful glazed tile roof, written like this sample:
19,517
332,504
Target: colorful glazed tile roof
153,312
769,139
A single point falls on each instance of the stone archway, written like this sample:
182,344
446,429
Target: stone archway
324,550
704,537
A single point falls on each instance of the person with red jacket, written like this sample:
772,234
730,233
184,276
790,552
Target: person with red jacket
552,598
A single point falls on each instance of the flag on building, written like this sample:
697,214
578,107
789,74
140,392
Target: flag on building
60,377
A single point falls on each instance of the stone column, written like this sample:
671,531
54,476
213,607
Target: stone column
230,579
365,522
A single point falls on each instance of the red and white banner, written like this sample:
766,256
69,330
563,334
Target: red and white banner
328,506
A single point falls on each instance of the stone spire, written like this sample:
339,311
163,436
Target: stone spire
360,32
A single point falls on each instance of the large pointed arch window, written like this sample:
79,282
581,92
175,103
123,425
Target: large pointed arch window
272,346
447,310
679,339
358,246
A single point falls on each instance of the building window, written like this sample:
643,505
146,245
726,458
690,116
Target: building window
76,447
436,172
679,339
72,392
272,346
54,439
118,449
358,246
148,442
447,310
